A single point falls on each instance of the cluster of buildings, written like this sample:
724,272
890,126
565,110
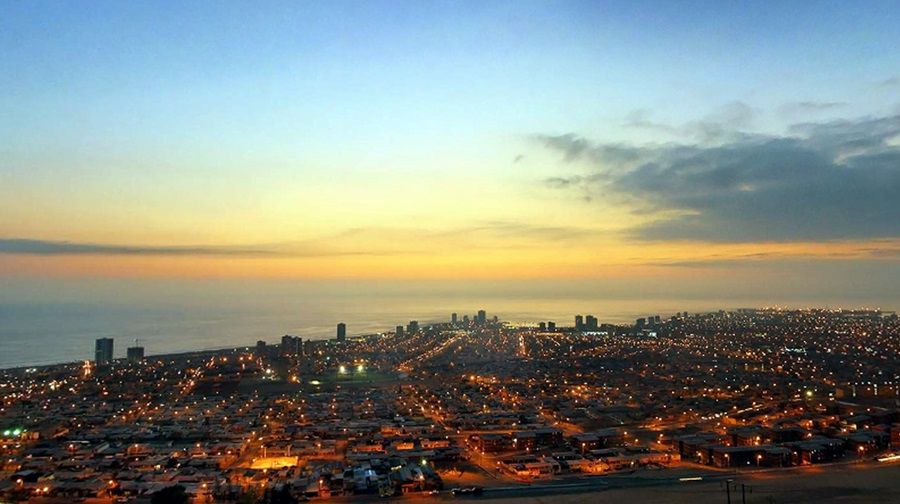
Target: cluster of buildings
800,436
429,406
103,352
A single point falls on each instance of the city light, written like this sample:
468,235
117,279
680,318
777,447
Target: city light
519,406
520,251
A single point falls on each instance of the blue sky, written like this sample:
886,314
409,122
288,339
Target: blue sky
315,129
310,72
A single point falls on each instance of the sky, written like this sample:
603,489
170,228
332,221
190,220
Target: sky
704,147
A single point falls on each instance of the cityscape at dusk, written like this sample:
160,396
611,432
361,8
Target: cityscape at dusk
519,251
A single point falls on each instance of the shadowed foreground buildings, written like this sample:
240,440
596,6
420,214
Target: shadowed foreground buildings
475,403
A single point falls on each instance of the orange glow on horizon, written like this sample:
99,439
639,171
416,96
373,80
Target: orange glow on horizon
584,260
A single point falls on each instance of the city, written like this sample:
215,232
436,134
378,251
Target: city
513,251
472,407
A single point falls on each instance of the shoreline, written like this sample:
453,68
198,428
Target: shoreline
169,355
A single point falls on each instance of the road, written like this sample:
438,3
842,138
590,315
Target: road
839,484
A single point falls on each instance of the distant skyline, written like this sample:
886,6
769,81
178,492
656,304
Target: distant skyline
622,148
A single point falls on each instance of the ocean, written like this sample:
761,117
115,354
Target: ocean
57,321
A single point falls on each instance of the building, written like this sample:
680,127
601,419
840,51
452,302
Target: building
579,322
551,326
412,327
453,318
260,348
103,351
135,354
542,326
291,345
482,317
590,323
399,331
341,331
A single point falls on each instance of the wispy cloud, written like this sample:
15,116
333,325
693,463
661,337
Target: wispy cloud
484,234
517,229
888,253
640,119
794,109
726,122
359,241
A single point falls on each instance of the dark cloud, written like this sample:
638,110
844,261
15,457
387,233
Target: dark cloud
816,105
571,145
563,182
45,247
823,181
575,147
25,246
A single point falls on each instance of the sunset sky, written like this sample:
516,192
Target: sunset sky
685,143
